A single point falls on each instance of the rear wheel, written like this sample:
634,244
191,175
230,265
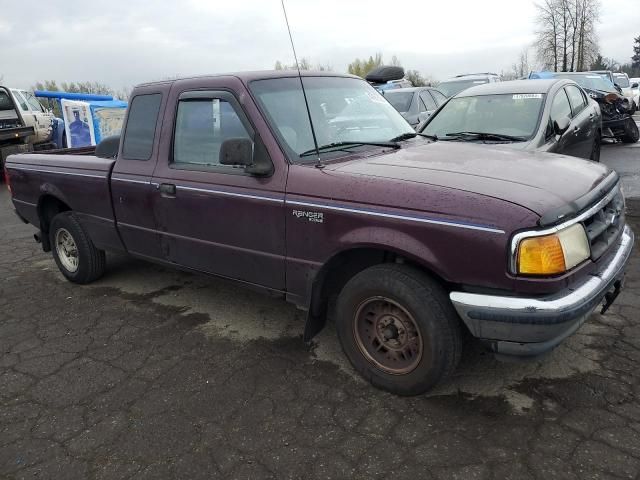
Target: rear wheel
631,133
73,251
398,328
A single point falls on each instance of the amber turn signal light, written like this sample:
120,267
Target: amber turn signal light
541,256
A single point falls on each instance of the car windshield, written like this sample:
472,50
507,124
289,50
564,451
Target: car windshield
622,81
592,81
515,115
453,87
401,101
342,109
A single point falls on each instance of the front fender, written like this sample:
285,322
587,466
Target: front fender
401,243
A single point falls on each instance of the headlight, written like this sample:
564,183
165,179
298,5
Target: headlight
553,254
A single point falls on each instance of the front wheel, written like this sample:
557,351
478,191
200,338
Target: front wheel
631,133
398,328
73,251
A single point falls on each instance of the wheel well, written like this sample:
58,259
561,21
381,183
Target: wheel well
334,275
48,207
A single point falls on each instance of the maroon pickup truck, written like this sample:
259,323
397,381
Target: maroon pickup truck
415,239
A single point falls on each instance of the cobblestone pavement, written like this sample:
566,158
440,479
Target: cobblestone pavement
151,373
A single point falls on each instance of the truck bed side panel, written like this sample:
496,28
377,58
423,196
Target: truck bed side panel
80,182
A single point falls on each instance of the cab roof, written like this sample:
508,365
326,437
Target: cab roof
258,75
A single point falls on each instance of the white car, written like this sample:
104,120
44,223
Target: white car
635,88
455,85
622,80
33,115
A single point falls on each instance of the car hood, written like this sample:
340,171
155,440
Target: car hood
537,181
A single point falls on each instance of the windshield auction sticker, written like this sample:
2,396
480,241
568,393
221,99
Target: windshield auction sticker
522,96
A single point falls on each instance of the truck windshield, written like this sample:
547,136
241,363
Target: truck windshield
511,115
342,109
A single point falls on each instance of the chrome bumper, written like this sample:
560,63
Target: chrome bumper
532,326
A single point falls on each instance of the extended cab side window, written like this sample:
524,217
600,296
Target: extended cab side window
202,125
578,102
141,127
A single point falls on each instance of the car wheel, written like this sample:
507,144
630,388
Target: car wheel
73,251
595,149
631,133
398,328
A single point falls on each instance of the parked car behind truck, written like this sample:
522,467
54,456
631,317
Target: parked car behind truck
457,84
617,120
542,115
416,239
415,104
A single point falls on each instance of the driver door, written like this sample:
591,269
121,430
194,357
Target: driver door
217,218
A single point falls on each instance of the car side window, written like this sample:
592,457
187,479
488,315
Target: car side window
202,125
578,102
140,130
560,107
21,100
440,98
33,102
428,100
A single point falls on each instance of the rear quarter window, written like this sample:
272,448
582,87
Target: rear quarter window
141,127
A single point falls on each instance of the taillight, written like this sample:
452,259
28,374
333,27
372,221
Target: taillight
7,180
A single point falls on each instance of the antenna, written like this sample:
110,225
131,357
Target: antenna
304,94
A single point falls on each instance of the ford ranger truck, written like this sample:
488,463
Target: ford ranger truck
411,240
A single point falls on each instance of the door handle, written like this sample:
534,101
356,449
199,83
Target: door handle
167,190
576,130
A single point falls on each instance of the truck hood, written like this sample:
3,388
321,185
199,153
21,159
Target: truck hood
537,181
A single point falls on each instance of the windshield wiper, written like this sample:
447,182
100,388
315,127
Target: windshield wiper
407,136
486,136
338,145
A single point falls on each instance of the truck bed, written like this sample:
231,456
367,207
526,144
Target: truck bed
75,178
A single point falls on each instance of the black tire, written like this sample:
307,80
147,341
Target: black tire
91,261
631,133
426,303
595,149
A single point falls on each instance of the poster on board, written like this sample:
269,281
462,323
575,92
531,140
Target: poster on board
108,118
78,125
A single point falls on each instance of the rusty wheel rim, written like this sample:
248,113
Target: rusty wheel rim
387,335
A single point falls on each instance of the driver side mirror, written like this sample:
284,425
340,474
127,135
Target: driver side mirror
634,85
561,125
240,152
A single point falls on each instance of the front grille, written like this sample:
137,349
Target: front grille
604,227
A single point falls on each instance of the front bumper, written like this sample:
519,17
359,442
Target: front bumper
516,326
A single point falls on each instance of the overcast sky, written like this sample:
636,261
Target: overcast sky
124,42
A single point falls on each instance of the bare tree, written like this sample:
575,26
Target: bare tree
547,34
521,67
304,64
416,78
566,38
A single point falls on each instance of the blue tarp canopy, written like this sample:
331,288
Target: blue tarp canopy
72,96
